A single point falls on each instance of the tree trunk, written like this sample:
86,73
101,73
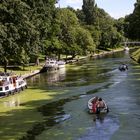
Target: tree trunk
58,56
5,65
73,56
5,68
37,61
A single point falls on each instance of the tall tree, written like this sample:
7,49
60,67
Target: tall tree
133,23
89,9
62,30
41,14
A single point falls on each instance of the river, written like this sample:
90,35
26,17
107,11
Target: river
67,118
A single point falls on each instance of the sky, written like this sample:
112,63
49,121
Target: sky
115,8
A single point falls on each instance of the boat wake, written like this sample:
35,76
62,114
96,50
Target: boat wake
103,129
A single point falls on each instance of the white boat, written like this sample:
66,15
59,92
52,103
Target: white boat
61,64
102,110
21,84
50,64
11,84
126,49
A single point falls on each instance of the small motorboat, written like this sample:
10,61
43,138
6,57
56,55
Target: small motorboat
105,109
51,63
123,67
126,49
61,64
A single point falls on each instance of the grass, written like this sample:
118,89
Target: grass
20,70
136,55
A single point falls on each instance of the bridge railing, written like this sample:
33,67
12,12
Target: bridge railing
130,43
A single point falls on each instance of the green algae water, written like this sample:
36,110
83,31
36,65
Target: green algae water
55,104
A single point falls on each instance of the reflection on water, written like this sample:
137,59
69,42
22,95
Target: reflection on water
48,79
13,102
56,76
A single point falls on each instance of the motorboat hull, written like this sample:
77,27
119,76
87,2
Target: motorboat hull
101,110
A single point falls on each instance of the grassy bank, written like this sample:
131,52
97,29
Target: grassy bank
136,56
20,71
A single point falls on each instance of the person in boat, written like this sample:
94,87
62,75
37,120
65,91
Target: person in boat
94,104
123,67
100,105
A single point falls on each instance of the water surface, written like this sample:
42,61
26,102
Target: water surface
81,81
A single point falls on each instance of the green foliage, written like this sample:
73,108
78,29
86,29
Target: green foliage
29,28
16,30
68,37
132,28
133,23
89,9
24,24
85,40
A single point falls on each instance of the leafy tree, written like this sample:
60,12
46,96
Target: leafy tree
120,25
89,9
95,33
17,32
62,30
110,38
24,25
85,40
41,15
132,28
133,23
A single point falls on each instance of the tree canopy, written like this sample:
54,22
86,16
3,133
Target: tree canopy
30,28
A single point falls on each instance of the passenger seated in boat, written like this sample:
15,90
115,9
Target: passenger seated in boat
123,67
100,105
94,104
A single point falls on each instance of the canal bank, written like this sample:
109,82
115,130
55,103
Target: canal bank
79,58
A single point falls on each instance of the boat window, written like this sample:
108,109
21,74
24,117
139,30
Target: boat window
0,88
6,88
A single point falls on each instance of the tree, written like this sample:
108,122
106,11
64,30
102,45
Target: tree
17,32
89,9
24,25
133,23
110,38
62,38
41,15
85,41
132,28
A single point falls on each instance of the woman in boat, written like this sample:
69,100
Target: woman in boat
100,105
94,104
